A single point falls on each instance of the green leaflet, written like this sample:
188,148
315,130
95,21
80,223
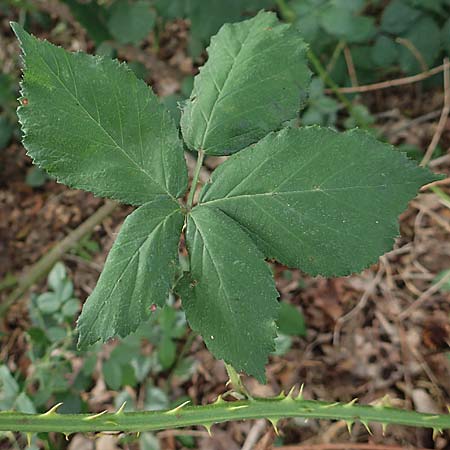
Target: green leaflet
90,122
92,17
255,79
130,23
312,198
138,272
229,296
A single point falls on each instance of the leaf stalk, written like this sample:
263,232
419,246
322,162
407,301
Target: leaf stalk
198,166
236,382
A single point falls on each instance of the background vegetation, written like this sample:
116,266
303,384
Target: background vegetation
384,332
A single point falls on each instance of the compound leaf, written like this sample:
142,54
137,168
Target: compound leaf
318,200
138,272
229,296
90,122
255,79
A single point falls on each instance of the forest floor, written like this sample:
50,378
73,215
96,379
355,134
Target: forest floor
384,332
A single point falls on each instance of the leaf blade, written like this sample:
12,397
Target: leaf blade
138,272
229,296
239,97
331,211
93,125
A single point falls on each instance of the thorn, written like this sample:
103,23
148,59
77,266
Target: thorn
95,416
120,410
300,392
219,400
384,402
52,410
436,433
29,437
350,404
175,410
274,423
281,395
366,426
349,426
384,428
208,428
290,395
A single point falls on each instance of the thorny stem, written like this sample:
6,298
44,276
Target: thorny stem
273,409
198,166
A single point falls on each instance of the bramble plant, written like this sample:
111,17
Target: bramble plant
311,198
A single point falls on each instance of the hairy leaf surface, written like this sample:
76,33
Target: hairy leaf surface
90,122
138,272
318,200
255,79
229,297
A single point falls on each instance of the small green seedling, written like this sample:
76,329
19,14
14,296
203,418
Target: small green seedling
311,198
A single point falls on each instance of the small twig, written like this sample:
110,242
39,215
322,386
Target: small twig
43,266
436,217
414,50
425,296
444,159
444,116
337,51
254,434
444,199
444,182
350,66
413,122
390,83
334,88
360,305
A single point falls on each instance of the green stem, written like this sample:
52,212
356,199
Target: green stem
198,166
286,12
272,409
236,382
